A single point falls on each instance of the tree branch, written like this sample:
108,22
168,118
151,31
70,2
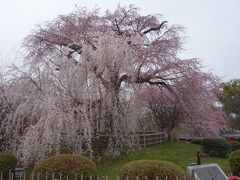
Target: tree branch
155,28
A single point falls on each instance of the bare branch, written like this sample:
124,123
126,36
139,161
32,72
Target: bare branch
155,28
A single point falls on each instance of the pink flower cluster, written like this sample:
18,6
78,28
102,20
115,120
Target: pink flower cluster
234,178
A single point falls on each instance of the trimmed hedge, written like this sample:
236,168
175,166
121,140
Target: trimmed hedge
197,141
151,169
8,161
66,164
234,161
216,147
235,145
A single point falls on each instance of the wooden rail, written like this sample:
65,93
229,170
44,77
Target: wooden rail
149,138
143,139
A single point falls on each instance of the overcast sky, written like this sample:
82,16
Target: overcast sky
212,26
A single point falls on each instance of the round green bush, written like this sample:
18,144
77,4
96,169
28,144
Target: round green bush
216,147
66,164
234,161
8,161
151,169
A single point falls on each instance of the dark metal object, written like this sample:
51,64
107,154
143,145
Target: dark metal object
199,155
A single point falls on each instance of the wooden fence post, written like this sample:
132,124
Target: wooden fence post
144,140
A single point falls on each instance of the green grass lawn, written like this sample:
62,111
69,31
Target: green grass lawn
179,153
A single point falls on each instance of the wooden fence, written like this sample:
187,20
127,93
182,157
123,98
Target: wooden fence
143,139
58,176
150,138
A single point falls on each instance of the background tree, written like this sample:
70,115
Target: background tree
166,110
229,96
190,104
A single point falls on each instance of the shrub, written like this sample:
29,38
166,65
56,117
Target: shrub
197,141
7,161
66,164
151,169
216,147
234,161
235,145
64,149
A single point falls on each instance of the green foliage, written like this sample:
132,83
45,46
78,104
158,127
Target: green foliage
66,164
64,149
216,147
234,161
197,141
230,98
180,153
235,145
7,161
151,169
